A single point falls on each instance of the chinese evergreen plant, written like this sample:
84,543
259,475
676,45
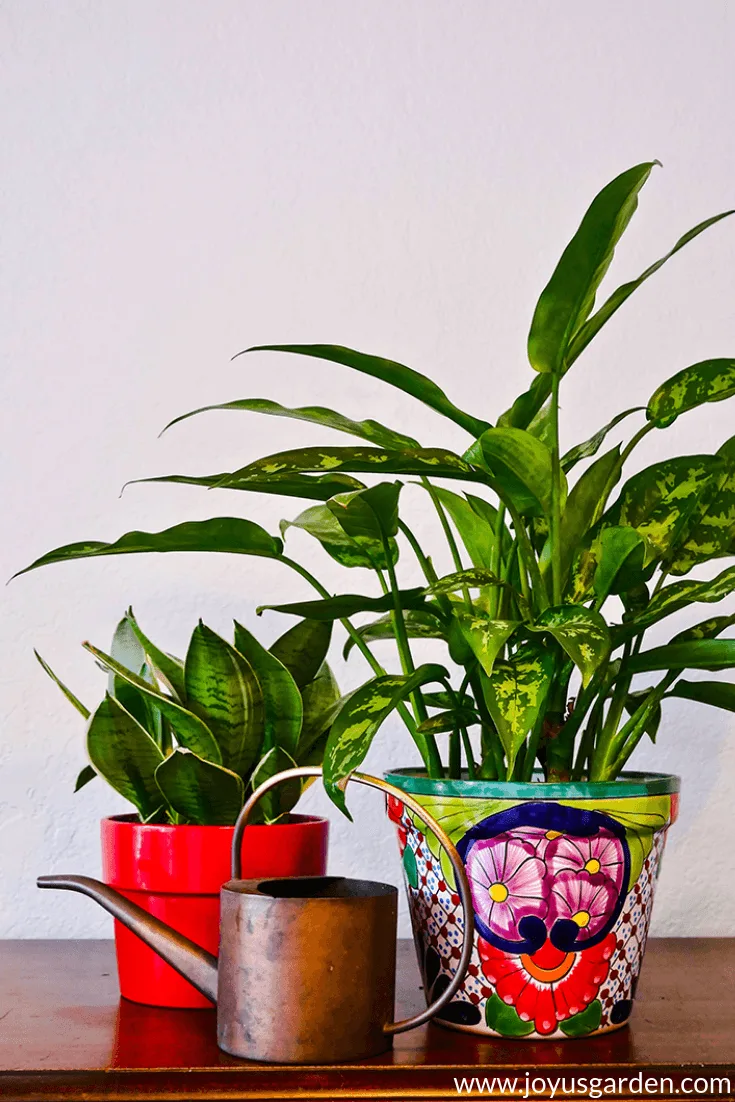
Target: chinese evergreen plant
229,718
548,666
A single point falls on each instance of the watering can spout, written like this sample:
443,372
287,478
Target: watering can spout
192,962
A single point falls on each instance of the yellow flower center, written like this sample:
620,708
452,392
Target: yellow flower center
582,918
552,834
593,865
498,893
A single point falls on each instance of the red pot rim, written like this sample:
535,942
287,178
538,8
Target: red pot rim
132,821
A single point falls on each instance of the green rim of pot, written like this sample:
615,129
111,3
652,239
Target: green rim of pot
630,784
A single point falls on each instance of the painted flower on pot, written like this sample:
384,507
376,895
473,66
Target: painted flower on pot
508,883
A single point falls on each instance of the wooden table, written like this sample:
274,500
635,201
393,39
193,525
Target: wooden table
66,1034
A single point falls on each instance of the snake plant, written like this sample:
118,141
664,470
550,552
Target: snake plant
187,741
562,560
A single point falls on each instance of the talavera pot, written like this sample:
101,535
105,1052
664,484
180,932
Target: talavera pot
562,878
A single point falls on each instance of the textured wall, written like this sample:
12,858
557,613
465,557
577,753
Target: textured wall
183,179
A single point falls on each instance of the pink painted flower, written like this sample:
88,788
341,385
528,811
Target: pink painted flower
508,882
587,899
601,854
538,839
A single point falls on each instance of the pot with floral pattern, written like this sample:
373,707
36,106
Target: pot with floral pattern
562,879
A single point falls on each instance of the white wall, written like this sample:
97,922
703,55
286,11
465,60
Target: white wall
182,179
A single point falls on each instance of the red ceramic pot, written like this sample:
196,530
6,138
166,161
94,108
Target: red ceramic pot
176,872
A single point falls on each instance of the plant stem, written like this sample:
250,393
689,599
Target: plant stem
455,755
555,518
496,559
426,565
471,768
449,534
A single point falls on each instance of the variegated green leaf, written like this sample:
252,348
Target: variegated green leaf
321,523
170,667
190,731
451,720
203,793
581,632
396,374
281,799
435,462
708,381
610,562
520,465
569,296
370,519
681,595
302,649
124,754
348,604
419,625
314,415
282,704
592,446
360,719
710,534
706,629
222,690
308,486
515,693
319,697
484,636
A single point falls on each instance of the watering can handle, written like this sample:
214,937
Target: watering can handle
460,875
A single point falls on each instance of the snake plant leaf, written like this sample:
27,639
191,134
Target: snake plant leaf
86,775
700,654
190,731
581,632
168,666
348,604
222,691
280,800
569,296
127,650
123,752
485,637
710,534
204,793
419,625
83,711
583,508
420,461
360,719
321,523
282,704
302,649
680,595
227,534
661,500
515,693
474,529
708,381
396,374
706,629
591,328
319,699
521,465
718,694
311,487
314,415
591,447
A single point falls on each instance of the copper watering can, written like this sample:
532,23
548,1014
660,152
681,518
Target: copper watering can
307,965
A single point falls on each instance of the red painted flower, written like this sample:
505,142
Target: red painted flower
395,809
550,985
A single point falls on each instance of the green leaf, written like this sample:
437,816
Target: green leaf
419,625
633,702
622,553
569,296
280,800
515,693
320,698
126,649
527,405
302,649
227,534
222,691
700,654
592,327
348,604
204,793
718,694
315,415
410,867
86,775
321,523
475,531
360,719
484,636
282,705
476,578
710,534
404,378
366,514
170,668
124,754
190,731
584,505
521,465
706,629
67,692
581,632
591,447
680,595
503,1019
421,461
708,381
314,487
450,720
587,1021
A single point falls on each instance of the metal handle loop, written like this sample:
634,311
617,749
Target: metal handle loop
444,840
